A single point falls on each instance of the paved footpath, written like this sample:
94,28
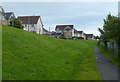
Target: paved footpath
107,70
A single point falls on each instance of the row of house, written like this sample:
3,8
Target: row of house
68,31
31,23
34,24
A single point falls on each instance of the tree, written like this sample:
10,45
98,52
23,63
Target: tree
16,23
110,31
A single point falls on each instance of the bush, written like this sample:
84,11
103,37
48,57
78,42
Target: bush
16,23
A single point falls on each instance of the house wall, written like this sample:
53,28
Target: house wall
68,34
2,17
84,36
81,35
90,38
29,27
76,34
4,22
12,17
59,31
39,27
73,34
44,32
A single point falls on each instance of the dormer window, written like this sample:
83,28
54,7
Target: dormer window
67,29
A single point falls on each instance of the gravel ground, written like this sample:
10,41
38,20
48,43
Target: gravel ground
107,70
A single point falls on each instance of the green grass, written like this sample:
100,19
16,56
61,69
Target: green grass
114,59
29,56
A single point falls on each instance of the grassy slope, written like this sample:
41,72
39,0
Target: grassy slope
28,56
112,57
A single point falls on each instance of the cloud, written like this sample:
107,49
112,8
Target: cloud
84,15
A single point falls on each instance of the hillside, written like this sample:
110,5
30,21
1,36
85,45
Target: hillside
29,56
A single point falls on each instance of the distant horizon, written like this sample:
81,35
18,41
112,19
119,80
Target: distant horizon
84,16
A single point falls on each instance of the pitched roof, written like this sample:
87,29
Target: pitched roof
62,27
8,14
80,32
45,30
29,19
88,35
2,10
75,31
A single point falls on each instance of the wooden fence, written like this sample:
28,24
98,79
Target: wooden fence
111,46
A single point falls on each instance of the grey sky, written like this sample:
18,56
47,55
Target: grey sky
86,16
60,0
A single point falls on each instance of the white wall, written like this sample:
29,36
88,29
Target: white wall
80,35
58,31
39,27
73,32
29,27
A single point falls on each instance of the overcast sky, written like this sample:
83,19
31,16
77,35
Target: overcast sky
60,0
86,16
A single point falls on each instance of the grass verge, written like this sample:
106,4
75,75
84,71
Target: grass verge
115,60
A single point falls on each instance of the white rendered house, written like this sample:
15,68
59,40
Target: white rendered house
32,23
81,34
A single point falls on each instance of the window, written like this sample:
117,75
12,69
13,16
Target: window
25,25
67,30
3,18
32,25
